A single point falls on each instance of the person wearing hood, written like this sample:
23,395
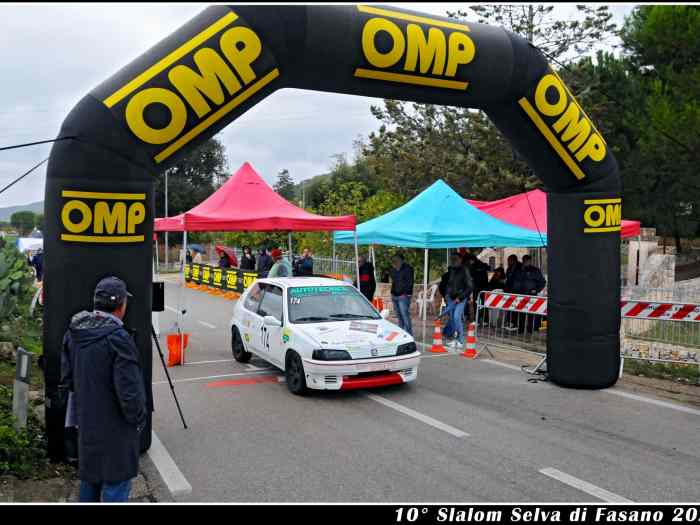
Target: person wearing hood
282,267
101,370
247,259
265,262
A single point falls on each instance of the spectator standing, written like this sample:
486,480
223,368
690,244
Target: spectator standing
281,266
368,285
247,259
100,369
197,258
459,288
530,282
224,261
480,274
38,264
513,270
305,265
265,263
188,257
402,290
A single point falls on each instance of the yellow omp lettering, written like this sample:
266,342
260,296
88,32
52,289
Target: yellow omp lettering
110,220
613,215
602,215
135,115
213,72
461,52
411,18
594,216
575,129
593,148
231,280
544,106
241,58
85,212
372,54
137,214
430,51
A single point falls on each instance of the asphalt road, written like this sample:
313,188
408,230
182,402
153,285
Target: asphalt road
465,430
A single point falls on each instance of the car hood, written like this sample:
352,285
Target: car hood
362,338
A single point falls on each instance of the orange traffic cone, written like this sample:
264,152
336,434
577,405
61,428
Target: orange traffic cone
437,347
470,347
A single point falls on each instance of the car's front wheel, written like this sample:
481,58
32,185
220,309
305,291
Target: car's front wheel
237,348
294,372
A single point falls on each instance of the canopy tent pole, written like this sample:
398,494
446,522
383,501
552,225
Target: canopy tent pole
357,264
157,261
291,259
425,285
447,260
182,293
374,261
333,259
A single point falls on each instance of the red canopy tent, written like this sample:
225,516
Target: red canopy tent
529,210
247,203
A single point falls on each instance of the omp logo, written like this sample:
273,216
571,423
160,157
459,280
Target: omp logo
188,270
248,279
195,272
568,130
602,215
431,59
217,277
221,80
102,217
231,280
205,274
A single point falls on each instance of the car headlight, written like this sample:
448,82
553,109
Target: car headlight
326,354
406,348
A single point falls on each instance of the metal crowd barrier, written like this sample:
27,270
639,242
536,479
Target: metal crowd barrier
650,330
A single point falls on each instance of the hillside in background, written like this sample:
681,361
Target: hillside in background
6,213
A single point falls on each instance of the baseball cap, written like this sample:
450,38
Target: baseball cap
113,289
276,253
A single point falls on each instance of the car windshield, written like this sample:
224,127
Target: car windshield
313,304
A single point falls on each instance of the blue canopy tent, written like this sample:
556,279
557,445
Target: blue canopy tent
439,218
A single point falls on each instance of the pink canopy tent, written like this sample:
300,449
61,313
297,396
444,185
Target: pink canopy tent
247,203
529,210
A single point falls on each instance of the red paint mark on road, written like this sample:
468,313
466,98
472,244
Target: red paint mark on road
243,381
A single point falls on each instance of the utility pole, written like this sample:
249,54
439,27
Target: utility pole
166,214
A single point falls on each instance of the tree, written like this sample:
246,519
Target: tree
39,222
23,222
285,185
192,179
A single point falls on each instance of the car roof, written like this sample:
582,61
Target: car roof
288,282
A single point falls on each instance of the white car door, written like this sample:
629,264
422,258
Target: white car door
270,336
251,321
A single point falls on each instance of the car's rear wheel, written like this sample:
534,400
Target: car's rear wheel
294,372
237,348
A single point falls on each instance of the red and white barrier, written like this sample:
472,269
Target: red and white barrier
515,302
660,311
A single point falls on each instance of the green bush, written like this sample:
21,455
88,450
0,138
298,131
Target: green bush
22,453
671,371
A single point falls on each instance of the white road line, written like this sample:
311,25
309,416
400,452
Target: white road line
171,309
171,474
206,324
189,379
417,415
505,365
584,486
207,362
656,402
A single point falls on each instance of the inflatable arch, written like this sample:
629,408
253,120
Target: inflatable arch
99,187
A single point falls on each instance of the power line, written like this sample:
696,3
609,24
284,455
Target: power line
34,143
22,176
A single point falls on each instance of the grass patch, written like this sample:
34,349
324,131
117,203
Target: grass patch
686,373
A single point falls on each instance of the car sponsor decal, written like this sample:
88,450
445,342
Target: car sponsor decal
357,326
391,336
246,336
286,335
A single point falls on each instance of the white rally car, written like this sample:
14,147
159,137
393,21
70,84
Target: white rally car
322,333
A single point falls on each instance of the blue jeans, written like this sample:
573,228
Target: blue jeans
402,305
455,311
105,492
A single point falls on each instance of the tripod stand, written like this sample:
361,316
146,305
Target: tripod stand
165,368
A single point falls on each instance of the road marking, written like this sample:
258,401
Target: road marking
211,377
652,401
172,476
243,381
584,486
171,309
206,324
253,367
506,365
417,415
207,362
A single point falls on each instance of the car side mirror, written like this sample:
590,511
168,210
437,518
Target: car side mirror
384,313
268,320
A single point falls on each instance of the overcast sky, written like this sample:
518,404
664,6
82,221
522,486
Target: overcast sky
53,54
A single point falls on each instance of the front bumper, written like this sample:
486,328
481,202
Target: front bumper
361,373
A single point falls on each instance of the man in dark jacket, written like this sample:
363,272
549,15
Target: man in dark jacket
529,281
459,288
100,367
368,285
265,263
304,266
402,290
